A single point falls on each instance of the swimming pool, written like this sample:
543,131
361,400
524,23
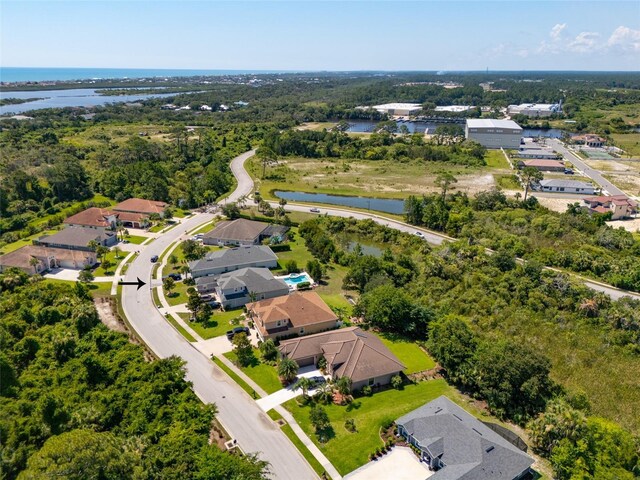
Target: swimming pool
293,279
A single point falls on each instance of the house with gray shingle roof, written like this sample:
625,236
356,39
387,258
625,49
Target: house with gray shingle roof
230,259
78,238
237,288
459,446
350,352
242,232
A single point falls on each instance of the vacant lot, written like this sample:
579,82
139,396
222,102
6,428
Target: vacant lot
381,178
629,142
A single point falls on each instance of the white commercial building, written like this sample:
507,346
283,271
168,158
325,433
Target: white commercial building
399,109
567,186
454,108
535,109
494,133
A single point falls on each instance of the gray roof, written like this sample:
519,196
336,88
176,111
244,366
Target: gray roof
258,280
492,123
552,182
75,237
242,230
234,257
469,449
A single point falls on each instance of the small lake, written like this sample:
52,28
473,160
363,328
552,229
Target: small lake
367,203
364,248
75,97
368,126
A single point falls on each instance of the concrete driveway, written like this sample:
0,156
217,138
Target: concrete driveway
67,274
400,464
286,394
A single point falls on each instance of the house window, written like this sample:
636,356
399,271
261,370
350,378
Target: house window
371,382
301,331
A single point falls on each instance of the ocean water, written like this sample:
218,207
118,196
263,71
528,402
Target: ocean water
24,74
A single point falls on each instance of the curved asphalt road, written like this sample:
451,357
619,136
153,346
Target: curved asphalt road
238,412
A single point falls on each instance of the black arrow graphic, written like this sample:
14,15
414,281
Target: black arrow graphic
139,283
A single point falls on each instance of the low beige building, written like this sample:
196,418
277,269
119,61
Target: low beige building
34,259
299,313
349,352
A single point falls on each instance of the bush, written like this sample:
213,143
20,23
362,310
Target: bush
304,286
367,390
291,266
396,381
350,425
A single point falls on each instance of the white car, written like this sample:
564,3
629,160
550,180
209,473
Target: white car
420,234
315,210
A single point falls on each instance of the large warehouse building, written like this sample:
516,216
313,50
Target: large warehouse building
399,109
494,133
535,109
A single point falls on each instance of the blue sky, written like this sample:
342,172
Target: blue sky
327,35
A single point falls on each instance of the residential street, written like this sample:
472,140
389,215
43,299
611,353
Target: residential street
238,412
595,175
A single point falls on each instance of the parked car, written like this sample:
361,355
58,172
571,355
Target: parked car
154,259
206,298
232,333
315,210
213,304
125,241
568,171
175,276
198,235
318,379
420,234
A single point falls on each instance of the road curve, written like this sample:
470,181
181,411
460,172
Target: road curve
238,412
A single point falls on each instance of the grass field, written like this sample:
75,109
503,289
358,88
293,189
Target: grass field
629,142
178,294
180,328
495,159
508,182
413,357
135,239
261,373
348,451
98,135
11,247
217,325
111,256
382,179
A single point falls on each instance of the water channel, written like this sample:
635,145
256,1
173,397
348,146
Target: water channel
367,203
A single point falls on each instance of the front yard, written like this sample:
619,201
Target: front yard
348,451
261,373
111,256
218,323
178,294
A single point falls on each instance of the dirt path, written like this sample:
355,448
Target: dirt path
103,306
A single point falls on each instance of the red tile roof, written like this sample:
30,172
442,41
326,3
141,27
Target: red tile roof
140,205
91,217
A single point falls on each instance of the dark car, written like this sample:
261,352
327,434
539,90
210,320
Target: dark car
154,259
568,171
232,333
175,276
212,303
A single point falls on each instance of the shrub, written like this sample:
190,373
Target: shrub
396,381
367,390
304,286
350,425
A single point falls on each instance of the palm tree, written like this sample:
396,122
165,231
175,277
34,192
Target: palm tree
33,261
530,174
93,245
444,180
287,369
303,384
324,393
344,385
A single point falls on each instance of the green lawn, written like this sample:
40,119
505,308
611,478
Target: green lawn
509,182
217,325
495,159
204,228
409,353
136,239
629,142
111,255
298,252
348,451
261,373
157,227
100,289
10,247
178,294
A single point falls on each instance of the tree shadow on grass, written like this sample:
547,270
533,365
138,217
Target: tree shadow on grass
325,434
353,406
